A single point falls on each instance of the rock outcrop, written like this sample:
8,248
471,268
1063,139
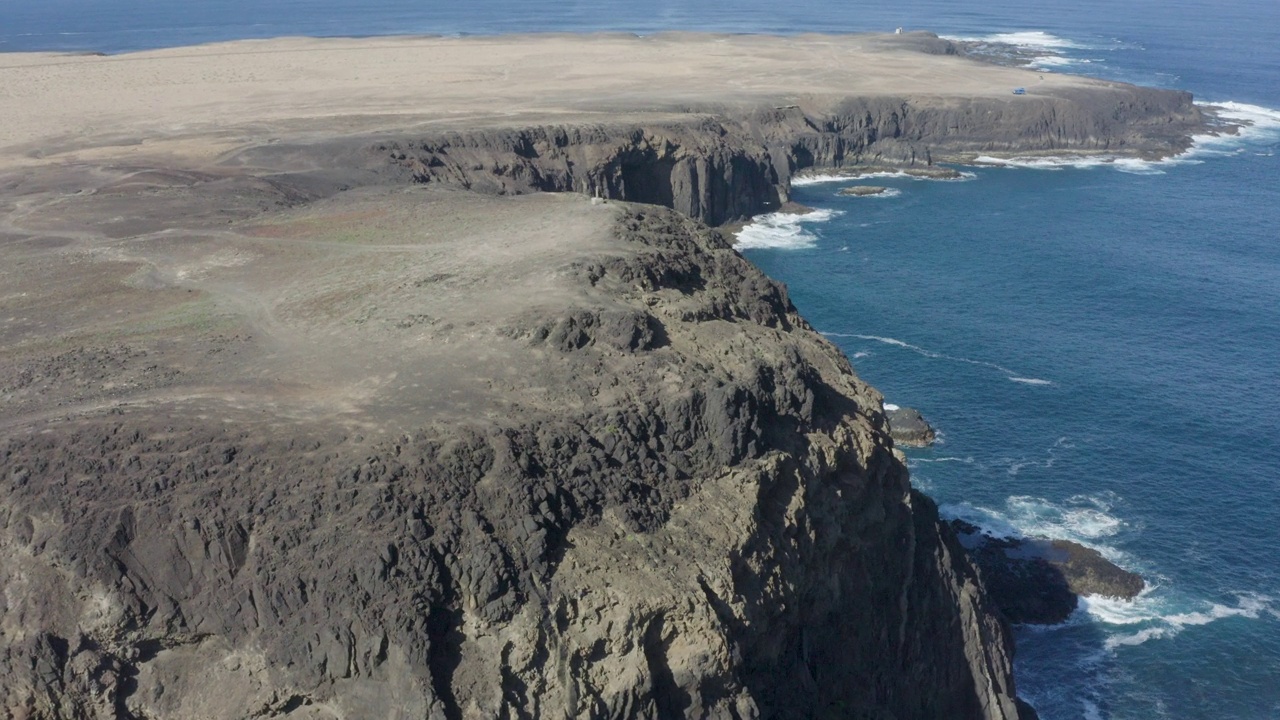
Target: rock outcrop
721,166
1039,581
863,190
908,427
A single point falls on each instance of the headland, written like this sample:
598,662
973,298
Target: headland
409,377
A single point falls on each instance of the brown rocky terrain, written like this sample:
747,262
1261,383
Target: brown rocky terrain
312,407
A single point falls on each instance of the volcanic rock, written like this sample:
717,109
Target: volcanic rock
908,427
1038,580
863,190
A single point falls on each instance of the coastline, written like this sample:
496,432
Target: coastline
273,206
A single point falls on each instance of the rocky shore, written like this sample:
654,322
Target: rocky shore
1040,581
908,427
343,398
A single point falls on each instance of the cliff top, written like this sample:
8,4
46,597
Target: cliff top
206,99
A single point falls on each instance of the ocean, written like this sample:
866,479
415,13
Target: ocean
1097,343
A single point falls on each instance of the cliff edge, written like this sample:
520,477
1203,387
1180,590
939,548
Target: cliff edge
646,489
312,407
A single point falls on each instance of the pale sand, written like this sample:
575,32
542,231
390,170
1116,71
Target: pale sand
53,104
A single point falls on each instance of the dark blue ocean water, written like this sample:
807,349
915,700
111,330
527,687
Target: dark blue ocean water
1099,346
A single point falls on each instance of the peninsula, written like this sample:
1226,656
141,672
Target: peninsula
410,377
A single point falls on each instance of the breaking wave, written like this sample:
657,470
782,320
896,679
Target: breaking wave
1160,611
824,178
1027,39
1256,125
782,231
1154,615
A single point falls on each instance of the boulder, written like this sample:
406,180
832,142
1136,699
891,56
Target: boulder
863,190
908,427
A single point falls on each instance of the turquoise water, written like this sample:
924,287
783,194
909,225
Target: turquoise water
1100,346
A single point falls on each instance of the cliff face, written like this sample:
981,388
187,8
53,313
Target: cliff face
720,167
707,521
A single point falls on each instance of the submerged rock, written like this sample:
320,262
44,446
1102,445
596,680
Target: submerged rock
908,427
863,190
1039,581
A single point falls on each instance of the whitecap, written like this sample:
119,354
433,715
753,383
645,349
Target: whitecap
1031,381
1012,375
1051,62
818,179
1029,39
853,176
1135,166
1085,519
1256,123
1158,612
1082,518
859,356
1091,710
782,231
1163,615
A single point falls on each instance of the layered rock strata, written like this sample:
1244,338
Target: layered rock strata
719,167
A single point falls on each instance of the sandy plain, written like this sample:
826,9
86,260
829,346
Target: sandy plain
55,106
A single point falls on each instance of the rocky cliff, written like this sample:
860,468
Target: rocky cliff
341,428
701,518
724,166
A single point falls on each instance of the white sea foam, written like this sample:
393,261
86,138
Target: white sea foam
1028,39
1082,518
1085,519
1091,710
1256,124
1164,615
782,231
824,178
818,179
965,460
890,407
860,355
1012,375
1079,162
992,523
1048,49
1158,612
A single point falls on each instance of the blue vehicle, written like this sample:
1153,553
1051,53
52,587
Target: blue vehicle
1019,91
